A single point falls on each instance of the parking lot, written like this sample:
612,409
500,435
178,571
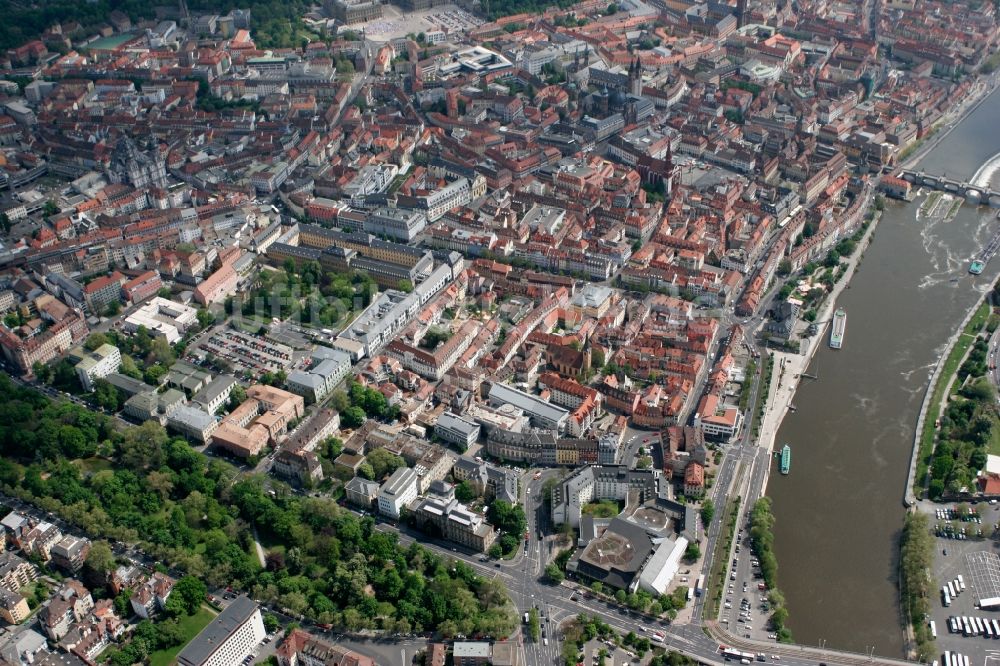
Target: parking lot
746,608
977,560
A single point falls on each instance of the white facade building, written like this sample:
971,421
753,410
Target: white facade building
398,491
98,364
229,639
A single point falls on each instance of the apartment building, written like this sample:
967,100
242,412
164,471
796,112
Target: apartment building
70,552
142,287
105,290
43,346
13,606
152,595
15,572
300,648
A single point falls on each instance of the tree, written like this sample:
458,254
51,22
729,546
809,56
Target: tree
113,309
554,573
105,395
384,463
405,286
534,626
205,318
692,552
99,563
508,518
129,368
237,396
50,209
95,340
464,492
707,511
340,401
191,592
271,623
352,417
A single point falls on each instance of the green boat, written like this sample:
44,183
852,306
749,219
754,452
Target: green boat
977,267
786,458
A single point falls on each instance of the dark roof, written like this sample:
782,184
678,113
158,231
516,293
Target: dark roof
217,632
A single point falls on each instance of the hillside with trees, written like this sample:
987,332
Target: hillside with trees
195,513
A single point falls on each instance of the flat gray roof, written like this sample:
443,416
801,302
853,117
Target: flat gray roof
217,632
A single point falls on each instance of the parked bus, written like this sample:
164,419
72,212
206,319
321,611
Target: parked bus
987,629
690,594
699,586
979,625
933,630
965,660
947,658
996,628
965,626
952,590
945,597
961,582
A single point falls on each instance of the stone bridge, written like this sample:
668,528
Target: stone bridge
972,193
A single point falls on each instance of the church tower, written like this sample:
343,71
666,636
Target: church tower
635,78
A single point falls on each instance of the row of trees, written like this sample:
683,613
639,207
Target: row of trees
762,535
195,514
916,559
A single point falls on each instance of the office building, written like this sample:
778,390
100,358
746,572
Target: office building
459,430
542,414
229,639
398,223
193,423
98,364
162,317
397,492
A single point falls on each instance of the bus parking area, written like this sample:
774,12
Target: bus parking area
966,571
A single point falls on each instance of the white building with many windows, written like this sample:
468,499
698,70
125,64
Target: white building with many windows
398,491
98,364
229,639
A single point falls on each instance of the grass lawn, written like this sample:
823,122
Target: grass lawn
994,446
602,509
95,465
192,626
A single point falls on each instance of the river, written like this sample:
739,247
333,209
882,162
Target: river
839,512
